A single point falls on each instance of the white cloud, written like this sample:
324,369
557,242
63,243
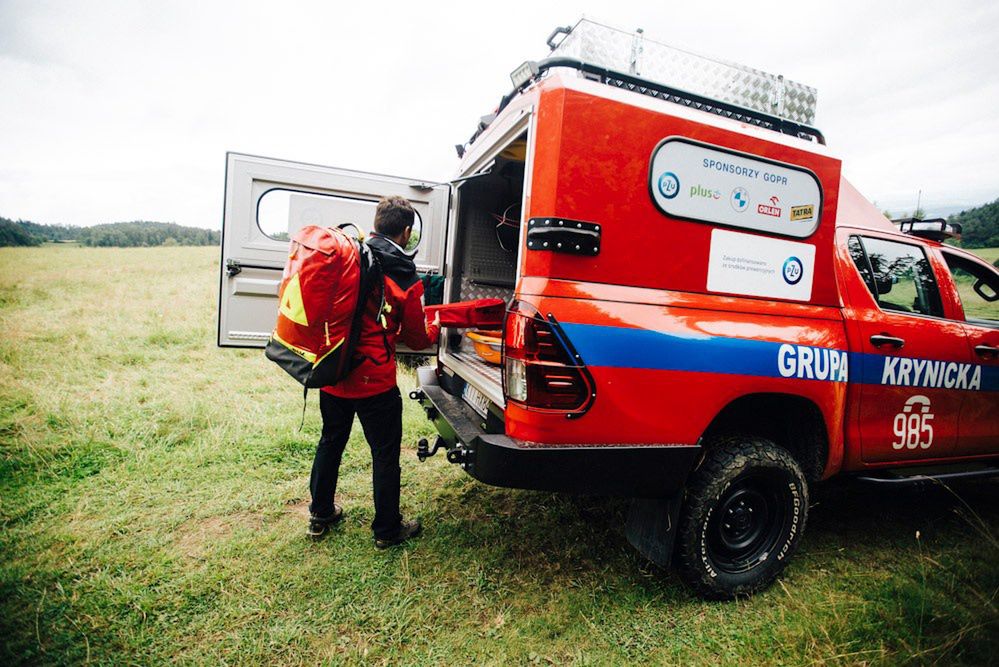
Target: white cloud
124,110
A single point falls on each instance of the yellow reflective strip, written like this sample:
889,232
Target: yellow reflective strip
331,351
308,356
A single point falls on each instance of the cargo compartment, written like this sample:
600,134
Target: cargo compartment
484,255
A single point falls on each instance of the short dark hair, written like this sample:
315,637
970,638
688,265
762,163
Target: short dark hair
393,215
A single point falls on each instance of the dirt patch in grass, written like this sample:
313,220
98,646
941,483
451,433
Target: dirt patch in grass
298,507
196,536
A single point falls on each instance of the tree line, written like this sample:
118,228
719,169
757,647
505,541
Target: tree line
981,230
980,226
136,234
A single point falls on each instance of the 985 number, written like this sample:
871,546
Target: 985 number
912,425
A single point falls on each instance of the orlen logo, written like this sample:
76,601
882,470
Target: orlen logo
707,193
770,209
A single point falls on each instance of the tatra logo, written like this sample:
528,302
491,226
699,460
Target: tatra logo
805,212
812,363
906,372
707,193
771,209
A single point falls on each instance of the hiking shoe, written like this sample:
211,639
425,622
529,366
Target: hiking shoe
407,529
320,526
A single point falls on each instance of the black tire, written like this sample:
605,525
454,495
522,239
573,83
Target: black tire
740,479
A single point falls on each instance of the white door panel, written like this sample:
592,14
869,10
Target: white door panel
267,201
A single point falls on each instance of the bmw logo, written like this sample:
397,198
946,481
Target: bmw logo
739,199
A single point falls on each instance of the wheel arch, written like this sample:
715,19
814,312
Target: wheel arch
792,422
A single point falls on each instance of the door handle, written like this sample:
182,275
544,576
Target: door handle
877,340
986,351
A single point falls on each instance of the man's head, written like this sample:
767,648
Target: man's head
394,219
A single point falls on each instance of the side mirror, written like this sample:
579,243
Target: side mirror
986,291
884,284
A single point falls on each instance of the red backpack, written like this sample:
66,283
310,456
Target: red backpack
324,289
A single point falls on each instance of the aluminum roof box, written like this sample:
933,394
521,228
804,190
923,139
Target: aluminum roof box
636,54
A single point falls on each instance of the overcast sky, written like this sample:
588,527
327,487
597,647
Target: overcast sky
124,110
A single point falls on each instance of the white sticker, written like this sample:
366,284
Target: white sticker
697,182
760,266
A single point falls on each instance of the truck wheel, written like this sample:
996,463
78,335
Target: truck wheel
743,515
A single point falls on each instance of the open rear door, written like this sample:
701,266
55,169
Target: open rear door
267,201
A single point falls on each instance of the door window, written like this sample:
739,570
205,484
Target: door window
898,274
281,213
978,288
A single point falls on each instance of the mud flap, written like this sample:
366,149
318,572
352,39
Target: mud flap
651,527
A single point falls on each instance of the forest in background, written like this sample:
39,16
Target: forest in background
136,234
981,230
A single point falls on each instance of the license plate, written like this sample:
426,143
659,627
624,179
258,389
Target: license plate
476,399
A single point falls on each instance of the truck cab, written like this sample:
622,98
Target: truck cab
702,313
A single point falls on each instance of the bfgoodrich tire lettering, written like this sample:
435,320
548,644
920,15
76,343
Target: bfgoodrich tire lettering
743,515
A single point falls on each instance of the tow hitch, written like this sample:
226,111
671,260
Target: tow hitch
423,451
449,439
454,455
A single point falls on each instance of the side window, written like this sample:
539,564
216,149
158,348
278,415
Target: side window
978,288
899,276
281,213
860,260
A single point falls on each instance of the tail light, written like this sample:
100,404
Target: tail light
542,371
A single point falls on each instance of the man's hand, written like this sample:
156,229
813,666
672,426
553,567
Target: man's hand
437,319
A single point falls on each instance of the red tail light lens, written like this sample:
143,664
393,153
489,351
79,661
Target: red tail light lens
541,371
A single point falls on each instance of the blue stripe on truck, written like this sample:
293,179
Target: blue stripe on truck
623,347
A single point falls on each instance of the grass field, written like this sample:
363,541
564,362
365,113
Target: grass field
153,503
990,255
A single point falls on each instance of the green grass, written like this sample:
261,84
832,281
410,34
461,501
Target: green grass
990,255
152,499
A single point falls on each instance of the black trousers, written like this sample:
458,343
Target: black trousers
381,419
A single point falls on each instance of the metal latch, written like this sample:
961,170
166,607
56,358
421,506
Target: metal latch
560,235
234,267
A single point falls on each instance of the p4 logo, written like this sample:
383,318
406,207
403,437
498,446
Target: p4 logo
912,425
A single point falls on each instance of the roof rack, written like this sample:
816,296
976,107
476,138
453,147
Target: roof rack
636,54
935,229
728,90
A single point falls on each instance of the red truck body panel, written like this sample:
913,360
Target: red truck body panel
666,353
592,163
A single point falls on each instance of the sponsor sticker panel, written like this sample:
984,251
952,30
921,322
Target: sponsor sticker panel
699,182
753,265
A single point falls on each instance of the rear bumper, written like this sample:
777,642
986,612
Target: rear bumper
646,471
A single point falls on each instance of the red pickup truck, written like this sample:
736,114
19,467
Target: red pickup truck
703,315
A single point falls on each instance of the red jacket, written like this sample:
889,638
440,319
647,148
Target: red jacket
403,314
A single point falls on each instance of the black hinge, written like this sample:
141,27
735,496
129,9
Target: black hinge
560,235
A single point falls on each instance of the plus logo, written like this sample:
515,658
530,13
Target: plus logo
739,199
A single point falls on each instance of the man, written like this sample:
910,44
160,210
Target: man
370,391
